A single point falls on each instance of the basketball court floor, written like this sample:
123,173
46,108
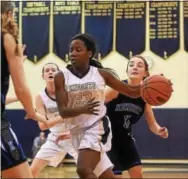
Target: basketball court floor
151,168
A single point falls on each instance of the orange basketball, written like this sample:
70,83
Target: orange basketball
156,90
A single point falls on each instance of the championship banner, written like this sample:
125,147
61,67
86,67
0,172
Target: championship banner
16,12
99,24
164,28
67,23
185,13
35,28
130,28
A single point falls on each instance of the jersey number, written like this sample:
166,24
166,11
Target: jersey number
82,98
127,121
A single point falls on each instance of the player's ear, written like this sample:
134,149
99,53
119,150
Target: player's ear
147,74
90,53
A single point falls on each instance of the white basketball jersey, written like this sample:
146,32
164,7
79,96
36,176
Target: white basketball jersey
80,91
52,110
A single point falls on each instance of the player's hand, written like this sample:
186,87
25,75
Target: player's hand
37,117
163,132
63,137
90,107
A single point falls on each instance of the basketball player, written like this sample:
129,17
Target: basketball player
14,161
51,153
80,98
125,111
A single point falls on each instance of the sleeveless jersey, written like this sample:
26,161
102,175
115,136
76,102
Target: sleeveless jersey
123,112
80,91
52,110
4,82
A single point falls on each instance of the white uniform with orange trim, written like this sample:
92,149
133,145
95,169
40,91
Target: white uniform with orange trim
89,131
50,151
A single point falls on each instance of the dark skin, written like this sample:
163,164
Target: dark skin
79,57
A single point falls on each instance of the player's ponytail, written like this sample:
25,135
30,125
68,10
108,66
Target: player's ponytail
97,64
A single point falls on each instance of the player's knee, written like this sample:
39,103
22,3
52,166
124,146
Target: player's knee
34,171
137,174
84,172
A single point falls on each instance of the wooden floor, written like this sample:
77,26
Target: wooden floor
69,171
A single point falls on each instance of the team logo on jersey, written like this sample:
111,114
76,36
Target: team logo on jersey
52,110
128,107
84,86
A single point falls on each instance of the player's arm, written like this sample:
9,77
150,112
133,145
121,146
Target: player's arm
17,74
63,136
14,54
152,123
62,100
110,94
118,85
11,99
51,120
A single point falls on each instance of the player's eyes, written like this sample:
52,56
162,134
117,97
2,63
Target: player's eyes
140,66
79,50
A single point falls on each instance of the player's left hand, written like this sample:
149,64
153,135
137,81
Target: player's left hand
63,136
163,132
37,117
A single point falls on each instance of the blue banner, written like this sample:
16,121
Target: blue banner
164,28
67,23
185,8
35,28
16,12
99,24
130,28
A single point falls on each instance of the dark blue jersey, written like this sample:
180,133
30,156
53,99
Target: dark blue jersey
123,112
4,78
11,150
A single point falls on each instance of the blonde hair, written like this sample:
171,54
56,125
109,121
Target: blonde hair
8,25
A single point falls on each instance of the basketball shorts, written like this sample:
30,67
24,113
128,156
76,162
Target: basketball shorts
96,137
11,150
55,153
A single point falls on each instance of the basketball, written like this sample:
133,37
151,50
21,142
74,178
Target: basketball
156,90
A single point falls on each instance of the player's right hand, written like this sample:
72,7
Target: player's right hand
90,107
